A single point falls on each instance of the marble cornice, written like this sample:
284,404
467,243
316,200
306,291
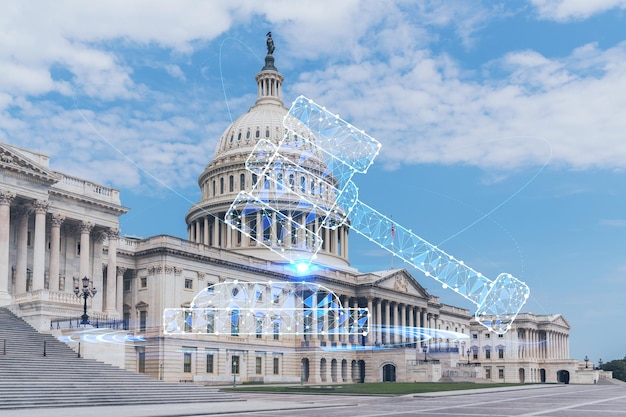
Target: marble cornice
92,201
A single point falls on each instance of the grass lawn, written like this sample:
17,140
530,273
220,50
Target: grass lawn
376,388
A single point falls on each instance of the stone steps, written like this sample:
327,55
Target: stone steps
61,379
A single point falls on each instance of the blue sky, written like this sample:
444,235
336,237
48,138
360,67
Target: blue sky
502,123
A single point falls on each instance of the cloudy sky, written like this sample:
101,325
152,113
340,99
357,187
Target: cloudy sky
502,123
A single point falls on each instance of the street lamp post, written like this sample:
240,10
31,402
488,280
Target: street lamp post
85,293
468,353
600,363
425,350
586,362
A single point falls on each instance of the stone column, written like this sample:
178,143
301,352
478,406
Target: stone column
85,230
39,245
314,324
403,336
22,249
55,250
6,197
119,286
206,230
387,321
411,331
111,290
216,232
370,308
396,324
379,321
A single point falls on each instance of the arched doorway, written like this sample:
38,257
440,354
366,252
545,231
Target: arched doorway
323,369
333,370
304,370
522,375
389,373
361,364
562,376
344,371
354,375
542,375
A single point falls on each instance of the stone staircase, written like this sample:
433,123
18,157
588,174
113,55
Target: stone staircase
28,379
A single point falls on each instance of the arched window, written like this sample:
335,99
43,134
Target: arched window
231,183
291,181
242,181
303,184
258,133
222,185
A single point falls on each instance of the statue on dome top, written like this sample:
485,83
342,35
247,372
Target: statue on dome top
270,43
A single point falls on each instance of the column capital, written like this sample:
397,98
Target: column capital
121,270
6,197
40,206
112,233
86,226
56,219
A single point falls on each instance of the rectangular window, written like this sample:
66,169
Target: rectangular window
234,323
501,335
188,284
275,368
209,363
126,285
242,182
501,353
235,365
231,183
475,355
144,282
488,335
488,373
488,354
210,322
187,362
126,319
188,321
143,316
259,328
474,336
501,373
258,365
276,329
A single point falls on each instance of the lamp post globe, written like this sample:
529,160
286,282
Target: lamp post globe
85,292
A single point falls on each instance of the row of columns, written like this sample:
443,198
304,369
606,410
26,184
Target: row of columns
199,230
389,322
544,344
40,210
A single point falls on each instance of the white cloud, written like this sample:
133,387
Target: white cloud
564,10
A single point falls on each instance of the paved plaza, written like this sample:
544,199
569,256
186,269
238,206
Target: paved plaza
530,400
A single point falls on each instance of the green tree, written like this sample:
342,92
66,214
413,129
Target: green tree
618,366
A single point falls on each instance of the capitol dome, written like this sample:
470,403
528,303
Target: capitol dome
226,175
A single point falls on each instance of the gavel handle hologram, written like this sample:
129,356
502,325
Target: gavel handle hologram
314,134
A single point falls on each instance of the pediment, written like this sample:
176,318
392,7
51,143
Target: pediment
400,280
13,160
559,320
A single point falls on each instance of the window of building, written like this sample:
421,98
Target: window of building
500,353
488,373
234,323
276,329
259,328
475,355
231,183
501,373
275,367
258,365
188,319
474,336
214,188
242,179
126,285
126,319
235,364
500,335
209,363
488,335
141,361
221,185
187,362
258,133
143,316
488,354
188,284
210,322
143,282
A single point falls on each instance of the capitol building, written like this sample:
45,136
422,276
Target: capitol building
179,309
